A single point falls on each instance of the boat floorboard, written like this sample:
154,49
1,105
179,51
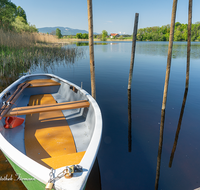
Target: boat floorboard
68,159
47,134
77,124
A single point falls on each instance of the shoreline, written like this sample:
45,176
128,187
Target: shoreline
95,40
108,40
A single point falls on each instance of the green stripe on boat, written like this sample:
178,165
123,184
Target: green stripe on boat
29,181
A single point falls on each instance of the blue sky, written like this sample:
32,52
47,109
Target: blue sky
111,15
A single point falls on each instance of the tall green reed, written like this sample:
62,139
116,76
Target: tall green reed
20,52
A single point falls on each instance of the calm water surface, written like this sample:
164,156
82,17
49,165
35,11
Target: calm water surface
127,156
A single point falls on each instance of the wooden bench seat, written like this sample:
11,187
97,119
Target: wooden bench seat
47,108
42,83
19,90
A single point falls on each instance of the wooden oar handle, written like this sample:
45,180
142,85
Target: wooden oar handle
5,108
6,103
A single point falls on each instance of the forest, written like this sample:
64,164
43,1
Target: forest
13,18
162,33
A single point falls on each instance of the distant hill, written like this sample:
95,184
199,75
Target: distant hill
64,30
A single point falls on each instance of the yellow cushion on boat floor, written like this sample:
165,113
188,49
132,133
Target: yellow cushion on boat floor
65,160
47,134
42,82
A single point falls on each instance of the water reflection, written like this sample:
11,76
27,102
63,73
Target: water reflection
161,49
156,48
129,121
175,140
160,148
178,127
87,43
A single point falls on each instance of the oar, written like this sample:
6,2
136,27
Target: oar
12,99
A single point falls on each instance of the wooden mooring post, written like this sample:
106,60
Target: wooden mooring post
171,37
188,42
133,50
186,83
91,48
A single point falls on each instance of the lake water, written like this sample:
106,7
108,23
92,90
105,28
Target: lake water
127,157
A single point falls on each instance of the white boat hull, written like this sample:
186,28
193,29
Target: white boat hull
12,143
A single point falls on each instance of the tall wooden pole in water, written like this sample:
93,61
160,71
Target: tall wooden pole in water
186,83
188,42
171,37
133,50
91,48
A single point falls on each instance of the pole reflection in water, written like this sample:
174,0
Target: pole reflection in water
129,121
160,147
178,127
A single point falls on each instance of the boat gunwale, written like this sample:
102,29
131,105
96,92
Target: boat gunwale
32,167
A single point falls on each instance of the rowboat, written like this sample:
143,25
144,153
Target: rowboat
50,132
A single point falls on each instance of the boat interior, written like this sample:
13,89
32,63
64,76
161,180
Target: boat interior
58,122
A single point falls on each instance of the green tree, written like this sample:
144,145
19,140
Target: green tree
58,33
185,34
104,35
84,36
19,25
162,33
79,36
198,38
177,24
21,13
14,18
177,35
139,36
121,37
7,14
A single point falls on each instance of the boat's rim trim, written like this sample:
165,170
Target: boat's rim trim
40,172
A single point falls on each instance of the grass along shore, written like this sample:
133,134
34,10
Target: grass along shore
20,52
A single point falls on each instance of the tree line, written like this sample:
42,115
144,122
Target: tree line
162,33
102,36
13,18
82,36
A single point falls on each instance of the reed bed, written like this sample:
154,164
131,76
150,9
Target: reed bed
21,52
13,39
